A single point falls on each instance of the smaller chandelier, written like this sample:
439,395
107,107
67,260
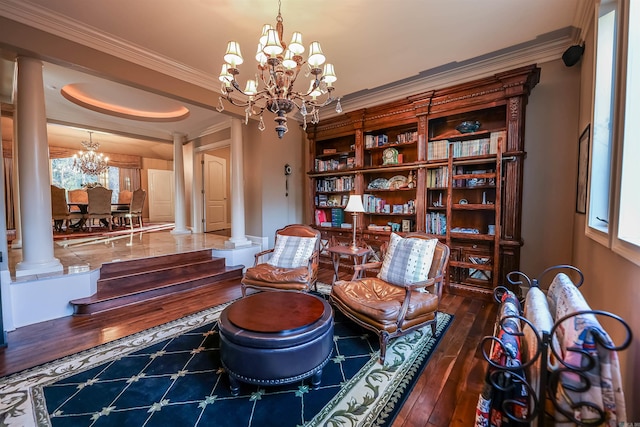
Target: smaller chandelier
90,162
278,67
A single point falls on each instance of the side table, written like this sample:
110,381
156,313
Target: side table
358,255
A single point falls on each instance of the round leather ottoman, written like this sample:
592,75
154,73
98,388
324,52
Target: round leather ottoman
275,337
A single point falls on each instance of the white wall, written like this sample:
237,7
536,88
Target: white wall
267,206
550,169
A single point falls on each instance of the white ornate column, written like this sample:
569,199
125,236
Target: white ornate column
33,158
180,210
238,237
17,242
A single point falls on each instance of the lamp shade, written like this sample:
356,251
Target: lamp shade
260,56
288,61
251,88
233,56
296,44
316,57
272,47
329,74
354,204
263,35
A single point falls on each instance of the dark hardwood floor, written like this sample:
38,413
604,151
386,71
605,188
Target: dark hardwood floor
445,394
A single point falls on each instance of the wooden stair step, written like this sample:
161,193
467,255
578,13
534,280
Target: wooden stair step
132,266
137,281
157,277
100,302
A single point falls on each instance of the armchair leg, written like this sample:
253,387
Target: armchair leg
384,340
243,288
433,328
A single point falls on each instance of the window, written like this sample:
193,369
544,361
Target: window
614,205
64,175
600,178
627,238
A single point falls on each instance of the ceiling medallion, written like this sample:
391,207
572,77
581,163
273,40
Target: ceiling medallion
278,68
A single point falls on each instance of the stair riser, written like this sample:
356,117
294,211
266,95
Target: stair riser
141,297
153,279
135,266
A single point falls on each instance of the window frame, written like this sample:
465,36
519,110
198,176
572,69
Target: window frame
602,234
620,246
610,238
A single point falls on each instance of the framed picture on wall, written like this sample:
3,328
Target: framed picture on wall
583,170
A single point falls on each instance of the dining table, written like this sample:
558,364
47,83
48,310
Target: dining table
83,209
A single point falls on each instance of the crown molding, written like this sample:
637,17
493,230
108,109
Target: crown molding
545,48
583,19
36,16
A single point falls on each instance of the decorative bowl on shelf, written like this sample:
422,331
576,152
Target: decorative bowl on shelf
468,126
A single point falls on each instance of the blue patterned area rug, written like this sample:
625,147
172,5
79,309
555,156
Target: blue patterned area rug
171,375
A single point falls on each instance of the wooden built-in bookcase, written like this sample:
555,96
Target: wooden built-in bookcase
418,169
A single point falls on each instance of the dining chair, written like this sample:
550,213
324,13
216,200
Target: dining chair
99,206
60,210
77,200
124,202
135,208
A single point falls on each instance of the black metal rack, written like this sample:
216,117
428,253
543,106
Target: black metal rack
504,378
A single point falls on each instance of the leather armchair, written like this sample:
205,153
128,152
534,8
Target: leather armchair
393,309
275,269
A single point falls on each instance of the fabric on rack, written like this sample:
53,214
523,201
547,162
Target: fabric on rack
536,311
583,332
489,411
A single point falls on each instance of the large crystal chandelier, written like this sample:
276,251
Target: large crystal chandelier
90,162
278,67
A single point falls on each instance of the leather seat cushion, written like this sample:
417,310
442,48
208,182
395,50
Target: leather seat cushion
381,301
266,273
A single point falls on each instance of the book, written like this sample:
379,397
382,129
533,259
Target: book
337,217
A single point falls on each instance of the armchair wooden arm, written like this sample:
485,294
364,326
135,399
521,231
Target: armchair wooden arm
259,255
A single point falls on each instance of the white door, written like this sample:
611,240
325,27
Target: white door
215,192
160,195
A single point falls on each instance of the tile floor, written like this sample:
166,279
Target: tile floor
88,253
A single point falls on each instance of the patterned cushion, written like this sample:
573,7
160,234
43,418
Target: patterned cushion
292,251
407,260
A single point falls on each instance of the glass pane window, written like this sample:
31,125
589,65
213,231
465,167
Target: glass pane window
602,119
65,175
629,209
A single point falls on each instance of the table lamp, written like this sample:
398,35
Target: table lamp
354,205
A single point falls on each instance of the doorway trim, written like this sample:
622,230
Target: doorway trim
198,180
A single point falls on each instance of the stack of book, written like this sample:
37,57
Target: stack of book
438,177
337,217
437,150
436,223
